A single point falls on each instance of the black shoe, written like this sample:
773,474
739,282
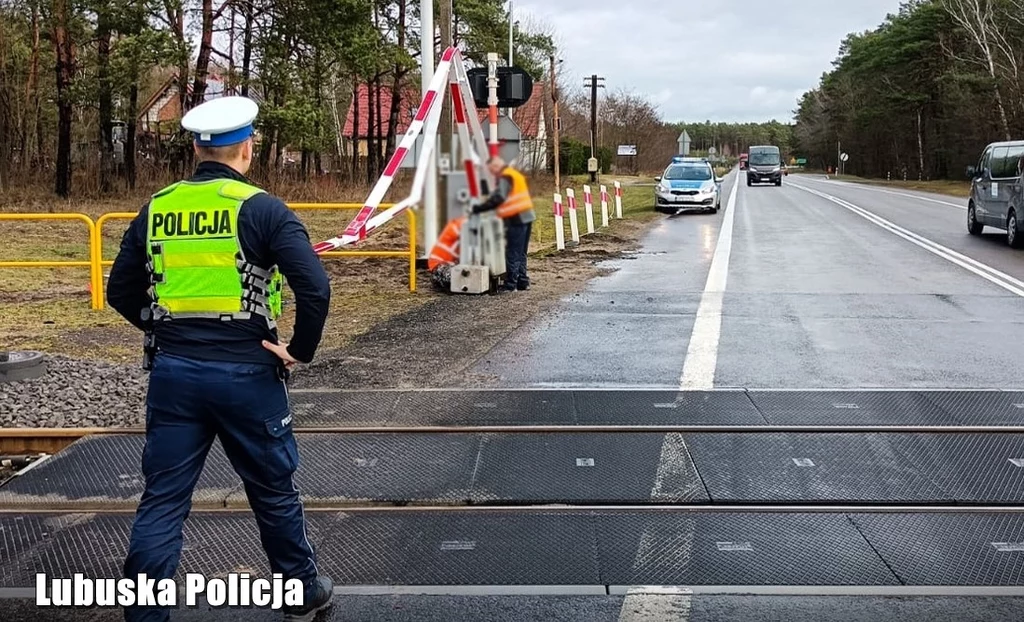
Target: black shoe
523,287
321,599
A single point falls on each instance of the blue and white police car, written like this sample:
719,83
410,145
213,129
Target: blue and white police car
688,184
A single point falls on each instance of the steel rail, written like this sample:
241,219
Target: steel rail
563,428
702,508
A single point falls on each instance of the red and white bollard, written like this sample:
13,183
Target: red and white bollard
574,226
618,200
604,206
559,223
588,203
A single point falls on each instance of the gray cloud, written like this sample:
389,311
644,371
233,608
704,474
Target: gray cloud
735,61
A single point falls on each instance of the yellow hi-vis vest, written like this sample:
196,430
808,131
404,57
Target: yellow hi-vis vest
195,260
518,199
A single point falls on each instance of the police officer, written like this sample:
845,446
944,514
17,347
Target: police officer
512,200
200,270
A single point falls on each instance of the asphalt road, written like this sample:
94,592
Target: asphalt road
817,284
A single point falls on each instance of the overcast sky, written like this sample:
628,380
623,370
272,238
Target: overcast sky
724,61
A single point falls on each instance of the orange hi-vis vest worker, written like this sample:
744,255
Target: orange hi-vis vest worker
518,200
446,250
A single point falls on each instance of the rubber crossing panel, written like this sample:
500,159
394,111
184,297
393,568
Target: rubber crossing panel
775,468
849,408
666,408
96,545
584,468
107,470
736,549
328,407
977,468
981,407
394,469
463,548
949,549
540,547
485,408
360,468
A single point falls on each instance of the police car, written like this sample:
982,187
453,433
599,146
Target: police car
686,184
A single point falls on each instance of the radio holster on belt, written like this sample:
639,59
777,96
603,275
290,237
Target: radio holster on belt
148,342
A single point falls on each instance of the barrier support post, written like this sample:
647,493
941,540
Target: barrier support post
604,205
588,204
559,223
618,200
574,226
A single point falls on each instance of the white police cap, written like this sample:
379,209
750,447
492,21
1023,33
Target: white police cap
222,121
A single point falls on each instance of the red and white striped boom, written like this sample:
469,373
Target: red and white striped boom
473,149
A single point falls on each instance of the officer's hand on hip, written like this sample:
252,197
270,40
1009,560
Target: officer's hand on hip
281,350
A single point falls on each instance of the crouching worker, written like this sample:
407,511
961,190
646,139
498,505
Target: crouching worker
515,207
445,254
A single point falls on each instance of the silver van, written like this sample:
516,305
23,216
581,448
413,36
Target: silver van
996,198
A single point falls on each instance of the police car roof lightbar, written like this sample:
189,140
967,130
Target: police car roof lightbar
428,116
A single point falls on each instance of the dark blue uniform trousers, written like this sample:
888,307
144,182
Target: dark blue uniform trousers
246,405
517,242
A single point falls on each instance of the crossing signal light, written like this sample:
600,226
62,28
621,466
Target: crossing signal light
515,86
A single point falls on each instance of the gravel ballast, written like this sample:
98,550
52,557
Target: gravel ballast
76,393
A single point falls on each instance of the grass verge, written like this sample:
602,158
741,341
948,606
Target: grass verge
948,187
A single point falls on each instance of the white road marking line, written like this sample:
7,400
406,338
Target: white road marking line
656,604
893,192
985,271
673,467
658,540
702,353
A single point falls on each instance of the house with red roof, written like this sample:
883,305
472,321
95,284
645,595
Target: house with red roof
410,100
163,108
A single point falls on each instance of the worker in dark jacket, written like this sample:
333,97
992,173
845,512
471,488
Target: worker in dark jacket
512,199
200,271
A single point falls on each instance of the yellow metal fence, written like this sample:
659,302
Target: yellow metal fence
96,263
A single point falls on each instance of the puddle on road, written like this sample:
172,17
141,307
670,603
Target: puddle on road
633,254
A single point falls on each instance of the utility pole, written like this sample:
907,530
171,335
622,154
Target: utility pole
554,107
511,25
446,145
594,83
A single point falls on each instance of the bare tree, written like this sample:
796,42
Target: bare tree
978,20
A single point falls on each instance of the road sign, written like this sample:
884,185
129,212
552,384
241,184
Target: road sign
592,165
844,157
627,150
712,151
801,161
684,143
